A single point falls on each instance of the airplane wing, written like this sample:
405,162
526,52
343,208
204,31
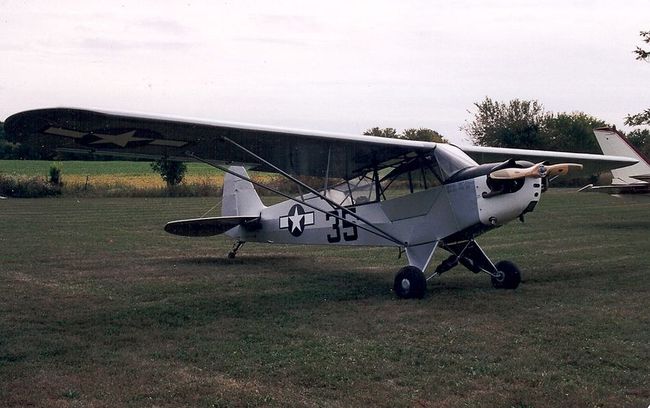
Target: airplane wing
296,152
206,227
153,137
592,163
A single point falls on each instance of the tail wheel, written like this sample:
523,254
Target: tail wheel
410,283
508,276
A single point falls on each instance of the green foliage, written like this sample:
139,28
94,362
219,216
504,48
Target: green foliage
638,119
570,132
643,118
172,172
423,135
641,54
513,124
7,150
640,138
55,176
385,132
420,134
526,125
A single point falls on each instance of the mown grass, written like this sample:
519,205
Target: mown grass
101,308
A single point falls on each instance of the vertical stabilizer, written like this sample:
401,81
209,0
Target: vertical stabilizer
614,143
239,196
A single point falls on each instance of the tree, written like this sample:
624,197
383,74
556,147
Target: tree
572,132
643,118
641,54
420,134
172,172
640,138
423,135
513,124
525,125
385,132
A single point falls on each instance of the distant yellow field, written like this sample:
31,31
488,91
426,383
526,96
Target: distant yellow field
139,182
142,182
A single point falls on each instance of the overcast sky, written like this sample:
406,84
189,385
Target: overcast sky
340,66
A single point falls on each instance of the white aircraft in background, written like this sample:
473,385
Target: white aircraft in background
633,179
416,196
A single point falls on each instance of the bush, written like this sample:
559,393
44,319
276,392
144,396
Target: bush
172,172
55,176
27,187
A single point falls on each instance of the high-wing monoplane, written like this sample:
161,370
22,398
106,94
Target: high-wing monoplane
416,196
633,179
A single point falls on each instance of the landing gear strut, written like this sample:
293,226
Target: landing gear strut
233,253
504,275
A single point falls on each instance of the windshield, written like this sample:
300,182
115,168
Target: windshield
451,159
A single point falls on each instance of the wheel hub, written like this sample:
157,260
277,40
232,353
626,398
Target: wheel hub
406,284
500,276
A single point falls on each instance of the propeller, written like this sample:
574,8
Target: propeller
539,170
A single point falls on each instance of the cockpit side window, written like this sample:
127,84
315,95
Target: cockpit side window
412,174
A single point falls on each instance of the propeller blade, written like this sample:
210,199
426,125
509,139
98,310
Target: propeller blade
562,168
539,170
514,173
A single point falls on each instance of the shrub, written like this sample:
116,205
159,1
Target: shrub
55,176
27,187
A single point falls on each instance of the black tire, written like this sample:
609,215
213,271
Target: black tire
410,283
509,276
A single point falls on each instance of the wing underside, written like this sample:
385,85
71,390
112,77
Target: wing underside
142,136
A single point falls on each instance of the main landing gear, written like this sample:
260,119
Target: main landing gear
410,282
233,252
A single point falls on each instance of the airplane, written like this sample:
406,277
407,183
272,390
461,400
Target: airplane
415,196
633,179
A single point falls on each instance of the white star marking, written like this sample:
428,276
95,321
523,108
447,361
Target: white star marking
295,220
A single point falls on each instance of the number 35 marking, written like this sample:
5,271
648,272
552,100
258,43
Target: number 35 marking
350,230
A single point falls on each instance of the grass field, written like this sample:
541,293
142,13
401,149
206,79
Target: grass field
101,308
94,168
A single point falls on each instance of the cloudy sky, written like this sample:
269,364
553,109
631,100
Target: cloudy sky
340,66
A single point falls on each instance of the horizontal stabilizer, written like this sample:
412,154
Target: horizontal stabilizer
206,227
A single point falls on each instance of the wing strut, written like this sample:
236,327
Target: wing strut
379,232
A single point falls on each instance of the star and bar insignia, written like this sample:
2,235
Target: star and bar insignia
117,137
296,220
